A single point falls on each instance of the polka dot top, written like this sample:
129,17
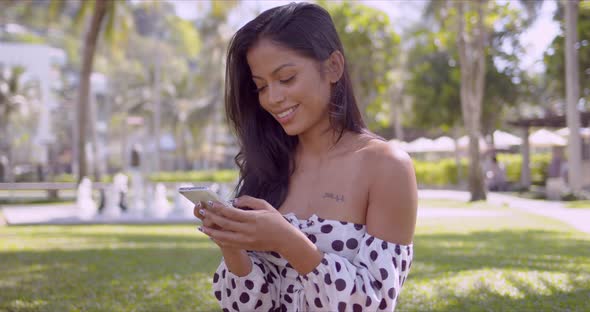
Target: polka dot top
358,272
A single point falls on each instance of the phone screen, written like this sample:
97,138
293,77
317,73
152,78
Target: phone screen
201,194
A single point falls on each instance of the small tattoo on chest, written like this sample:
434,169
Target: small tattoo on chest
338,198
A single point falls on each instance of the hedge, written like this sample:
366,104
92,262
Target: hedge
444,171
432,173
220,176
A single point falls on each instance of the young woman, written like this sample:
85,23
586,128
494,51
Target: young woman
328,210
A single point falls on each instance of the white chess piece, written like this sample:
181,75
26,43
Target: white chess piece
86,206
182,206
161,207
112,200
137,205
120,184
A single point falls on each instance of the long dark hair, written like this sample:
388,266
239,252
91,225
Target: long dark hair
266,157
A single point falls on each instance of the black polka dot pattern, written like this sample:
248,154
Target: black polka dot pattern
244,297
338,245
318,303
352,243
340,284
358,272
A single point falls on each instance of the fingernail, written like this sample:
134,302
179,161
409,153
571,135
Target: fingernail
202,212
200,229
210,203
234,201
199,205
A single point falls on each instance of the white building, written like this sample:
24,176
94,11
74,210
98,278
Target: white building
41,63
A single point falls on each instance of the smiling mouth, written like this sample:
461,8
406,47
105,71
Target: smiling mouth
287,115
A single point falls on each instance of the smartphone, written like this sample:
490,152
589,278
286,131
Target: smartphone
201,194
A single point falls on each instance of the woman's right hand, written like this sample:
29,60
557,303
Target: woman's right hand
199,212
236,259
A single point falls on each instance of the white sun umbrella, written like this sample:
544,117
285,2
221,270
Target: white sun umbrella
546,138
420,145
463,143
505,140
565,132
401,144
443,144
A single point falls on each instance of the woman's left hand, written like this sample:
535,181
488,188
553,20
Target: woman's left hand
261,229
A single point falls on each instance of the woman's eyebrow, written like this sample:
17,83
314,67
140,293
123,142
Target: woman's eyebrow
276,69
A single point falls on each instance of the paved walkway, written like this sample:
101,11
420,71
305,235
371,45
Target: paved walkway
578,218
66,214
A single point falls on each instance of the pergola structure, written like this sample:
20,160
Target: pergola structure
552,121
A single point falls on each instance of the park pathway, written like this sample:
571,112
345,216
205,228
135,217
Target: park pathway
578,218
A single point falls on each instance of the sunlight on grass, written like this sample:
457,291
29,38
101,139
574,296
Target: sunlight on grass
448,203
512,261
578,204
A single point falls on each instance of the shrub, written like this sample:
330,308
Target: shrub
172,176
439,173
226,175
444,172
538,164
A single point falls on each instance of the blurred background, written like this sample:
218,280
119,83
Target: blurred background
85,85
108,107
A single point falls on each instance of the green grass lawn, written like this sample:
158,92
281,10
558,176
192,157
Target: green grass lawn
518,262
578,204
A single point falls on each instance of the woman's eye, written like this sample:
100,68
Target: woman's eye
258,90
288,79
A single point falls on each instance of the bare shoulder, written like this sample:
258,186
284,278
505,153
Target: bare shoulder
377,153
391,213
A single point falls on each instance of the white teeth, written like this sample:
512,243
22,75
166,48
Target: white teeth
287,112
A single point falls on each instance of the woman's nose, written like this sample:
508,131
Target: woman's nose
275,94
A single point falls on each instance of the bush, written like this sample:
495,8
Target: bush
220,176
67,177
439,173
444,171
513,165
196,176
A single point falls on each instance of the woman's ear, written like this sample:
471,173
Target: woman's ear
335,66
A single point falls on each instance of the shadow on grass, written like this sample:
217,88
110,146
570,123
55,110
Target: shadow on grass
506,270
137,269
486,300
522,249
110,272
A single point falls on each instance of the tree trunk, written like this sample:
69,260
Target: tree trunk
96,150
181,154
572,86
6,151
456,135
396,112
472,63
157,110
90,40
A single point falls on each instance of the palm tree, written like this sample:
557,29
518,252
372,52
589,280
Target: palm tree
470,41
572,84
101,11
471,37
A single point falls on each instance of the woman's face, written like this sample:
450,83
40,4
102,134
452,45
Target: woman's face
290,87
